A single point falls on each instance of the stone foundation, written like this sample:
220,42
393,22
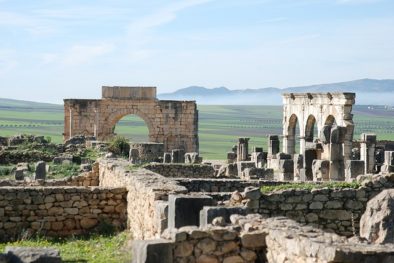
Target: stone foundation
59,211
254,239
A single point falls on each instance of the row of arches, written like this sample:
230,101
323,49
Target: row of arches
309,133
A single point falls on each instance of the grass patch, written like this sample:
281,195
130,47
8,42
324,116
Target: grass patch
309,186
219,126
57,171
98,249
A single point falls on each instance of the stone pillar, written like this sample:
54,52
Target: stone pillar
388,165
242,149
337,165
298,165
367,151
71,124
273,145
302,145
289,144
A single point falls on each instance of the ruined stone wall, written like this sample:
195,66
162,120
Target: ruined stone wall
337,209
84,179
146,192
252,239
59,211
174,123
307,110
222,185
182,170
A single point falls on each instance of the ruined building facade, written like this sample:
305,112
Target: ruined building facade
173,123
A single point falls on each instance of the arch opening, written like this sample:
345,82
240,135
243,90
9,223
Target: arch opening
330,121
293,135
132,127
311,132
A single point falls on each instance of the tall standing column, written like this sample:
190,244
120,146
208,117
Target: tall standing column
242,149
367,151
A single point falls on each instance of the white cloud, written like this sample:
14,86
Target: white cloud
80,54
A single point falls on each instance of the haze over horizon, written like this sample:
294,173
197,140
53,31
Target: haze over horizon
52,50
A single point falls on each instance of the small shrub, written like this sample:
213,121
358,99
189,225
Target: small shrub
119,145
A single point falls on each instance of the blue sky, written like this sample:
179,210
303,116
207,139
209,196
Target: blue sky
55,49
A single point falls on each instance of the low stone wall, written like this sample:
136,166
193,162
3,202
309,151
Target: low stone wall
59,211
84,179
337,209
222,185
182,170
146,198
252,239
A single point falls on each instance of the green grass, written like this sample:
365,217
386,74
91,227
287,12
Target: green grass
219,126
309,186
97,249
57,171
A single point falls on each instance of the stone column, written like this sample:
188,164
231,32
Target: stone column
242,149
302,145
289,144
71,124
367,151
273,145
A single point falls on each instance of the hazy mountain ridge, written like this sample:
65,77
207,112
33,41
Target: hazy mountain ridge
272,96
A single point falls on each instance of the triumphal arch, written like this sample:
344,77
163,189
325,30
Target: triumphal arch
321,110
174,123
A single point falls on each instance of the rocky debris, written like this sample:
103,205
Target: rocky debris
236,198
22,139
253,238
377,223
219,221
193,158
86,167
32,255
63,159
79,140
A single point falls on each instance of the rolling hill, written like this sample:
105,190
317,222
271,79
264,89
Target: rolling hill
369,91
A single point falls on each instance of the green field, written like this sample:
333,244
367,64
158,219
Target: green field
219,126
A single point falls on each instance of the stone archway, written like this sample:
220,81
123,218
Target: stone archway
291,133
325,108
174,123
310,128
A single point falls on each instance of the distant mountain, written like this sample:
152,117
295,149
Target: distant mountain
22,104
382,91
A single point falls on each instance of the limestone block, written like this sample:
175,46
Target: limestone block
184,210
321,170
152,251
29,254
241,166
376,224
354,168
40,173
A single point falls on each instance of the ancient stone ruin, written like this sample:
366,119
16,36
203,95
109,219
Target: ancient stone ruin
173,123
180,207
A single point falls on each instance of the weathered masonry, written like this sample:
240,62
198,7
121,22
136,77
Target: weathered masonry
174,123
320,109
